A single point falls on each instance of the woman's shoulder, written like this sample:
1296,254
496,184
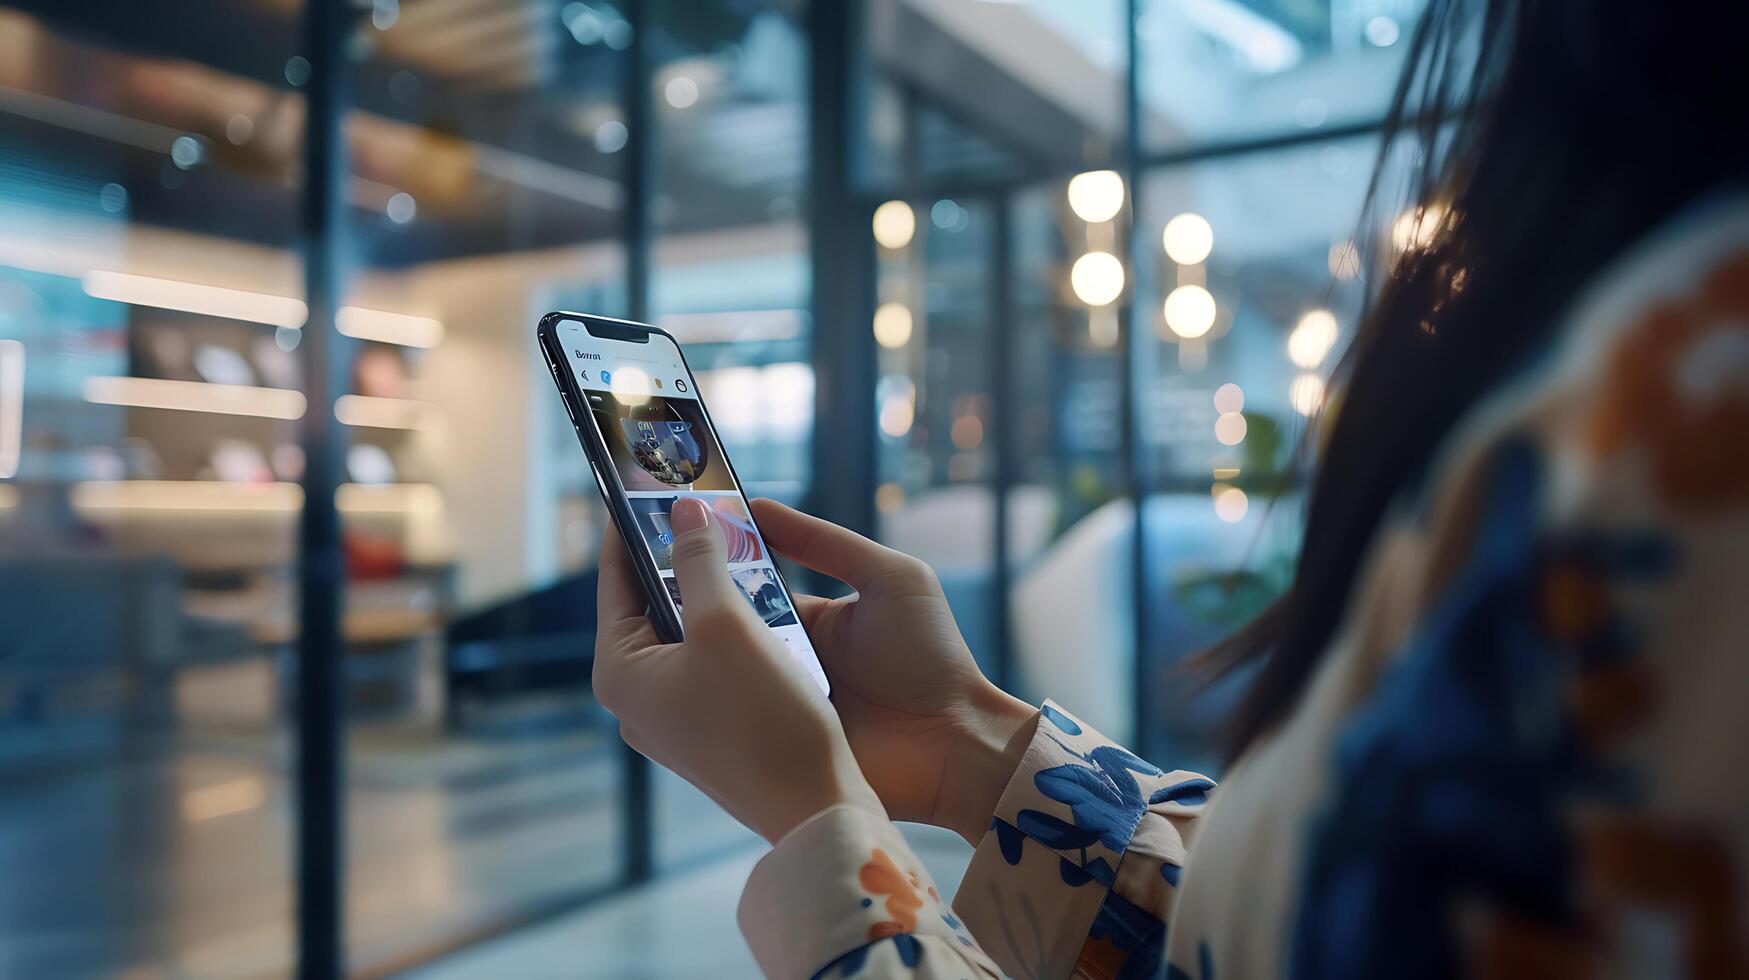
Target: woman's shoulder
1537,703
1693,268
1646,379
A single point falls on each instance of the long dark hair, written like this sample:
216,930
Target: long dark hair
1552,134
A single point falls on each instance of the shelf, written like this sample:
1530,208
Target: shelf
95,499
196,396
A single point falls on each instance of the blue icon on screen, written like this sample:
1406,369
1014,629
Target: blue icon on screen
606,378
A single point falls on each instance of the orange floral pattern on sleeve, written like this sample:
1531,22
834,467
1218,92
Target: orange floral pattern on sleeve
880,876
1674,387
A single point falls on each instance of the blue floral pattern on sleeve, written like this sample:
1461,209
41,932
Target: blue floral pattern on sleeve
905,946
1103,796
1074,811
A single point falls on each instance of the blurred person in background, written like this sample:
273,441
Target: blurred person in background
1494,726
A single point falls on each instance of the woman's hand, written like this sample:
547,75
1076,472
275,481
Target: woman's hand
730,709
935,739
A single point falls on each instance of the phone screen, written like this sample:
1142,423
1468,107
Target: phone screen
645,406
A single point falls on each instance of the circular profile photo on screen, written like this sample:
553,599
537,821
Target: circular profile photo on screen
667,449
660,443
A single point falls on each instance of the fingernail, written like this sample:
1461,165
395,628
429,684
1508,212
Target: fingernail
688,515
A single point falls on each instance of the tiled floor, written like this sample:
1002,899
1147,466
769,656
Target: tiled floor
680,927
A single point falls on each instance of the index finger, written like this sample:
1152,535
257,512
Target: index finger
822,545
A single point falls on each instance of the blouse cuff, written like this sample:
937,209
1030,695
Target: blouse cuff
1052,865
841,880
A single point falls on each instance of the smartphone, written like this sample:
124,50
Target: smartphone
643,424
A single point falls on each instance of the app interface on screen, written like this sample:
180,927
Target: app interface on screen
641,401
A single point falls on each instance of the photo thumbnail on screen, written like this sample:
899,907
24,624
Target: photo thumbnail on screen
763,591
654,516
660,443
759,584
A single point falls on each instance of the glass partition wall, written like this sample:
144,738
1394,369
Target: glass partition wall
1026,265
151,399
1177,187
487,146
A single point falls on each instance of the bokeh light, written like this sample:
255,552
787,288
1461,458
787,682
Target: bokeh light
947,215
897,397
1230,503
1097,278
1382,32
239,128
186,152
1306,393
112,198
1230,429
892,325
1312,338
1190,311
1416,229
967,432
1343,260
896,415
402,208
889,497
1229,398
1188,239
894,224
611,136
681,92
1096,196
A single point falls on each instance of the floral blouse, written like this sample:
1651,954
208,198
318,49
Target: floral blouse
1526,754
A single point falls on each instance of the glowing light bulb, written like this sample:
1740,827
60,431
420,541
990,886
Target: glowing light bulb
1190,311
1097,278
1096,196
1188,239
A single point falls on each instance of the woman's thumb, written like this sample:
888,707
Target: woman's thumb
700,563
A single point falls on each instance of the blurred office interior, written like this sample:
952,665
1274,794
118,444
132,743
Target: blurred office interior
977,277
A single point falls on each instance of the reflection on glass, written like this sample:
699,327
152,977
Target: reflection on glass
148,407
1220,70
933,405
973,92
1232,378
1066,540
486,190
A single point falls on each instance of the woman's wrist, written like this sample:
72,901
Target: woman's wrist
841,783
982,761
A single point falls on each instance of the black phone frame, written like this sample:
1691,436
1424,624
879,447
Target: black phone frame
660,608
